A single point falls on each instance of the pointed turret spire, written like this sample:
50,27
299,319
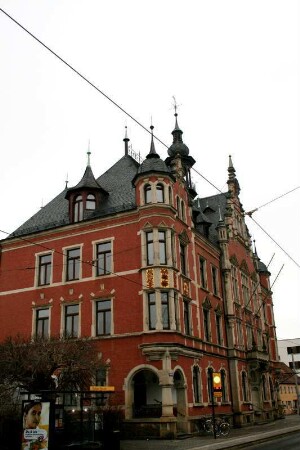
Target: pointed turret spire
233,184
152,153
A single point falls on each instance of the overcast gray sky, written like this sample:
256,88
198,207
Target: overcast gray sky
233,67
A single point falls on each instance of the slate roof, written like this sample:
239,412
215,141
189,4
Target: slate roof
211,208
117,181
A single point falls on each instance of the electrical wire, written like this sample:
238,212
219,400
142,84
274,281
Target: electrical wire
249,213
272,239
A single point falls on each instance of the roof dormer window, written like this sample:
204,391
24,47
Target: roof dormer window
160,193
148,193
78,208
91,202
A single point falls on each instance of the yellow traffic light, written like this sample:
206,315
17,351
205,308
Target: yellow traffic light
217,384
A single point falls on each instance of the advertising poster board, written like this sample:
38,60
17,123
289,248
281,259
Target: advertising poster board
35,416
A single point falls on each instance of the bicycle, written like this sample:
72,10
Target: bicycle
219,427
204,425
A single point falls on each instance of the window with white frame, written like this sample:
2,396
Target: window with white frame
239,332
197,388
245,288
73,264
103,258
147,193
103,317
158,306
249,336
44,269
160,193
235,283
150,248
162,247
78,208
224,385
71,328
42,321
165,310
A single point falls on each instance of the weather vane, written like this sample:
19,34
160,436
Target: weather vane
175,105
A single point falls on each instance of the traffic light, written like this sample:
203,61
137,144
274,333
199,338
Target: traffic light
217,384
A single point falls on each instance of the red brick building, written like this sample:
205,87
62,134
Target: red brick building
166,283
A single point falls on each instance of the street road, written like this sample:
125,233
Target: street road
287,442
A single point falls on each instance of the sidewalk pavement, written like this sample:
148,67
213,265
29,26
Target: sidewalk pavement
239,437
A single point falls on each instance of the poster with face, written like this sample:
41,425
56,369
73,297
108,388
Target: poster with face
35,425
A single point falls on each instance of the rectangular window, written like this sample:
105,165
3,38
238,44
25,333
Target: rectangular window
245,289
240,340
254,287
72,321
45,267
215,284
223,385
162,247
206,324
235,285
149,247
176,310
152,310
218,328
165,310
186,316
42,322
203,277
210,384
103,257
73,264
183,259
249,336
196,384
103,317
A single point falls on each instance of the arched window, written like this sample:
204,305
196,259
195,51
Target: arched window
160,196
78,208
170,196
90,202
182,210
210,383
147,193
178,207
244,387
224,385
197,384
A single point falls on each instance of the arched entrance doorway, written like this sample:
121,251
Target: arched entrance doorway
179,399
146,394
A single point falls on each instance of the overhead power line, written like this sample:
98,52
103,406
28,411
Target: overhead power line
135,120
249,213
272,239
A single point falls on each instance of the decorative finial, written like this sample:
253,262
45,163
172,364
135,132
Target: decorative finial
152,146
88,155
67,181
175,106
220,215
126,140
254,245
